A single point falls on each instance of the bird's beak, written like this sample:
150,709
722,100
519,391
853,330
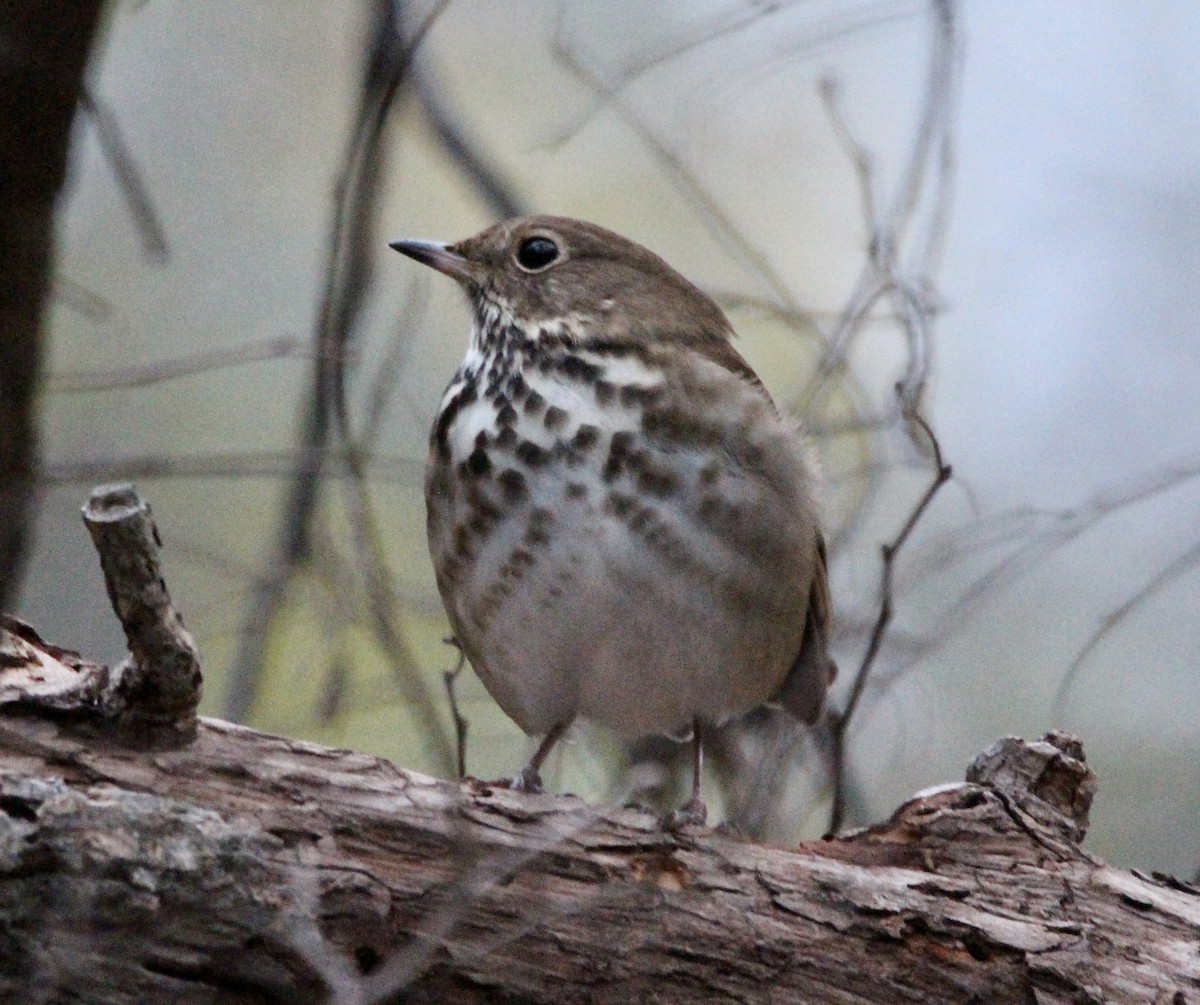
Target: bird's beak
438,256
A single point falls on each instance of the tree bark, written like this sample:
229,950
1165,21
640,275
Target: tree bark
252,868
43,52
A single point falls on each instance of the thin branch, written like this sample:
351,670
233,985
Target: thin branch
815,37
348,276
261,464
461,725
678,173
386,381
1182,564
861,159
77,297
1058,529
883,276
840,721
478,169
128,177
204,361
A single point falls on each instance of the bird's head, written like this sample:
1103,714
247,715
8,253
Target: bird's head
551,275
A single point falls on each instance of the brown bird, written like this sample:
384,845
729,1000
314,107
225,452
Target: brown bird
621,522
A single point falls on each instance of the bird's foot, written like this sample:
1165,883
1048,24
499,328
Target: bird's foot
693,812
527,780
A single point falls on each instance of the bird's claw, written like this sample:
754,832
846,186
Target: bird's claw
527,780
693,812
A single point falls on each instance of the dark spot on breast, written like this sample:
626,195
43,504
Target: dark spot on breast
530,453
586,437
710,472
538,531
463,540
617,350
478,463
441,428
438,486
495,376
618,455
575,490
619,504
554,417
646,522
641,518
657,481
534,403
486,512
481,438
631,395
507,438
512,484
674,427
447,572
718,514
517,388
506,416
579,369
605,392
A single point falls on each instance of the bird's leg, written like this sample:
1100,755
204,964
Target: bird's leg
529,778
693,811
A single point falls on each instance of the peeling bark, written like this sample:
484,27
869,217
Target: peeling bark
251,868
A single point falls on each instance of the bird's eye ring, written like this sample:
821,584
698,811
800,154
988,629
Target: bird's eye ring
537,253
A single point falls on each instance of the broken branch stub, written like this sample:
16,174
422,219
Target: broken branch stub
157,687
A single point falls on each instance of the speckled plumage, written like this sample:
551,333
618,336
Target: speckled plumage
620,521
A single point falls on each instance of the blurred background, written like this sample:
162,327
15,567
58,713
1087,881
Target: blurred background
994,205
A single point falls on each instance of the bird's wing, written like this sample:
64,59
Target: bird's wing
803,692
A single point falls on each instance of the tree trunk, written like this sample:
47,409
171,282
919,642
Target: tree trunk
43,52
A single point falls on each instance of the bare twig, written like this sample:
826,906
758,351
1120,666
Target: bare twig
204,361
860,157
498,193
839,721
478,169
1179,566
1038,534
87,303
348,277
261,464
461,725
883,275
128,176
680,174
815,37
386,381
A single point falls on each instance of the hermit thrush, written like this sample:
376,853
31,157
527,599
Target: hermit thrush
620,521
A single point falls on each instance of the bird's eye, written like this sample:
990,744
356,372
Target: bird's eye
537,253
